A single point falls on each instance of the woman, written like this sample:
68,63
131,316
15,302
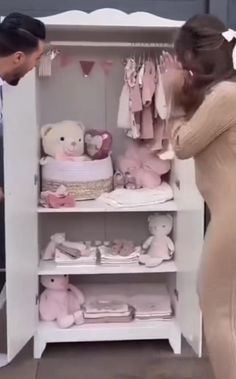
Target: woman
206,89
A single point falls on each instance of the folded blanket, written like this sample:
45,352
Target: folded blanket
109,319
138,197
63,258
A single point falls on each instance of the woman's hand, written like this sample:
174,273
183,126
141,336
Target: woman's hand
173,75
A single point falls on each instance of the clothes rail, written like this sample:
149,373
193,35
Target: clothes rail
149,45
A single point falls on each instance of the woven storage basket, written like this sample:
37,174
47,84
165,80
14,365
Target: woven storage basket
84,180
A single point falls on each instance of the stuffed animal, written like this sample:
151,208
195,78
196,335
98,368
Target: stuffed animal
64,141
55,239
61,301
159,247
143,165
98,144
75,249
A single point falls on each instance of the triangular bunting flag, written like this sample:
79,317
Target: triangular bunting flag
86,67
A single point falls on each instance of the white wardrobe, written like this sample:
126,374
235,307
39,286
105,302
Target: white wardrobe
103,34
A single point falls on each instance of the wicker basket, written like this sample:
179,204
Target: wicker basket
84,180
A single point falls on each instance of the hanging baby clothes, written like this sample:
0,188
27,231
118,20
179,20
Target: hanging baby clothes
160,97
163,104
136,108
141,75
123,120
130,103
156,145
135,102
148,90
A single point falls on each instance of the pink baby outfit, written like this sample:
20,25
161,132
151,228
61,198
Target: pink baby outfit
148,90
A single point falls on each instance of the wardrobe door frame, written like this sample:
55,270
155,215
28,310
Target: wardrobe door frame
21,197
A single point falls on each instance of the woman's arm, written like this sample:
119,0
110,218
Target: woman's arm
215,115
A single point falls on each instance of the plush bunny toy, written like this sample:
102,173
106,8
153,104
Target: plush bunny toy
61,301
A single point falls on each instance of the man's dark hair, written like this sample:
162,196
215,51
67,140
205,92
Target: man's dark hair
20,32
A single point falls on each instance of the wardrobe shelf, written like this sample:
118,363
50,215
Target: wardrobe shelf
135,330
96,206
50,268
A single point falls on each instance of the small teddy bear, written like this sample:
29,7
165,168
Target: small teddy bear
159,247
61,301
63,141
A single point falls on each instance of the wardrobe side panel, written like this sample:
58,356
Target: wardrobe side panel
20,167
184,184
189,228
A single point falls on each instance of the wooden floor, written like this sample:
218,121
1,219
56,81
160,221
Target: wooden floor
129,360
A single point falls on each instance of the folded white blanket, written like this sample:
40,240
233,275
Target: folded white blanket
152,304
64,259
139,197
104,306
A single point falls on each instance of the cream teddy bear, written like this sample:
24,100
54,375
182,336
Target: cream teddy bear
63,141
159,247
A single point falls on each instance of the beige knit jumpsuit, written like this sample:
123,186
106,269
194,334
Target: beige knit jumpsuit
210,137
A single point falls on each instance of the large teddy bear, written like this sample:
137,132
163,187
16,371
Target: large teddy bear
158,247
64,141
61,301
143,165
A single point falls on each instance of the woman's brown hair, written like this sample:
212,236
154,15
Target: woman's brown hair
203,51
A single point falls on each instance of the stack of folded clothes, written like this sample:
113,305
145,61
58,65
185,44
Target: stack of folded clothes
120,252
103,310
155,305
76,253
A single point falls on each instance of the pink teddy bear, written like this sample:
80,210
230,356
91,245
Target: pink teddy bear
61,301
143,165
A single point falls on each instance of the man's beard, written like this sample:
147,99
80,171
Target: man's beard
13,78
14,82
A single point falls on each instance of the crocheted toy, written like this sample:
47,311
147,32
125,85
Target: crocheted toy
158,247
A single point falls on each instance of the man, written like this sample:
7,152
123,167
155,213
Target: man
21,46
22,40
